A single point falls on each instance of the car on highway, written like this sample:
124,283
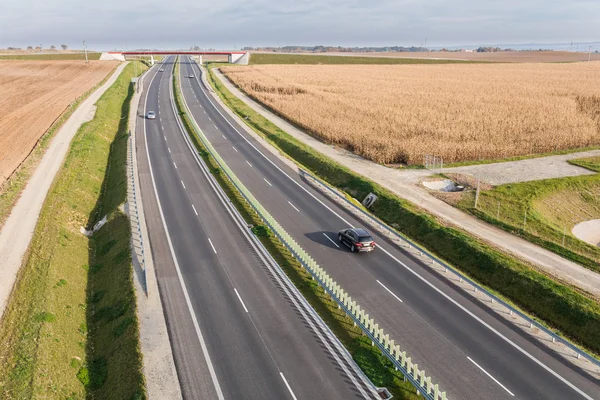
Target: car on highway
357,239
151,115
190,76
161,70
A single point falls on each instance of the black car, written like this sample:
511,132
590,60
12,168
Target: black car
357,239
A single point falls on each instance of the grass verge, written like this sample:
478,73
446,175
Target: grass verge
261,58
70,328
559,306
376,366
543,212
53,56
12,188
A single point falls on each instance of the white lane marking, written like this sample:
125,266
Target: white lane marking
195,212
235,149
168,148
209,119
204,111
211,245
241,301
248,163
390,292
215,127
482,322
293,206
494,379
288,386
224,137
211,368
175,164
165,137
268,183
328,238
183,184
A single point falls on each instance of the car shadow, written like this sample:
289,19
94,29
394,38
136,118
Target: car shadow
327,239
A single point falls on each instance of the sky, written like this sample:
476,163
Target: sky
228,24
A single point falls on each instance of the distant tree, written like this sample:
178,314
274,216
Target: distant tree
197,48
53,47
38,48
64,46
30,48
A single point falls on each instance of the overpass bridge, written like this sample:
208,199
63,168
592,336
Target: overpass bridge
234,57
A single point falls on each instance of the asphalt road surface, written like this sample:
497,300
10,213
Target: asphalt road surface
468,350
236,330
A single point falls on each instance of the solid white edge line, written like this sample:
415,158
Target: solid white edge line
211,245
235,149
183,184
287,385
494,379
482,322
195,212
390,292
331,240
241,301
293,206
211,368
535,360
268,183
248,163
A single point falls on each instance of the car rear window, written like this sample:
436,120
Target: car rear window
363,239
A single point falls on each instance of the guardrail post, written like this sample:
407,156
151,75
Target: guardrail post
436,391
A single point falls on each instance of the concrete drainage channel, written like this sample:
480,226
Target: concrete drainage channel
559,345
332,345
388,347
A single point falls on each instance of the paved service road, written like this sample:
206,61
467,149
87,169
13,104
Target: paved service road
468,350
237,332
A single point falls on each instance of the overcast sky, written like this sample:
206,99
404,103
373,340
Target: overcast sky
110,24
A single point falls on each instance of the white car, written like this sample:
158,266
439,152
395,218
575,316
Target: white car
151,115
191,76
161,70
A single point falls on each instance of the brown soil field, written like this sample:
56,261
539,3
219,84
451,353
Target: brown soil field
34,94
460,112
501,56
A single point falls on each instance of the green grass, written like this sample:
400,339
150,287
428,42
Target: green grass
544,212
376,366
53,56
591,163
260,58
12,188
70,328
560,307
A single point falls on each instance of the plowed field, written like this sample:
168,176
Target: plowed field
32,95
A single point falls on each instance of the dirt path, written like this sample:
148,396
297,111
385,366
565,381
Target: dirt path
527,170
403,184
18,229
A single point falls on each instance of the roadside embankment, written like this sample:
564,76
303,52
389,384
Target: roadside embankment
70,328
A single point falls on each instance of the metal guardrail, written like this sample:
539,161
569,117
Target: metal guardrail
390,349
378,223
137,214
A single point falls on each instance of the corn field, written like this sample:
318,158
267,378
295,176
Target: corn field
397,114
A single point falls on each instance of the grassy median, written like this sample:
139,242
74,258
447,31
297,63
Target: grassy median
70,330
561,307
376,366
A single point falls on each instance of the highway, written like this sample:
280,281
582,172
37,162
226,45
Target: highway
466,348
238,330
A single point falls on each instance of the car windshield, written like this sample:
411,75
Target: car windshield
364,239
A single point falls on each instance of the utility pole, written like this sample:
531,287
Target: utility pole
85,50
589,53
